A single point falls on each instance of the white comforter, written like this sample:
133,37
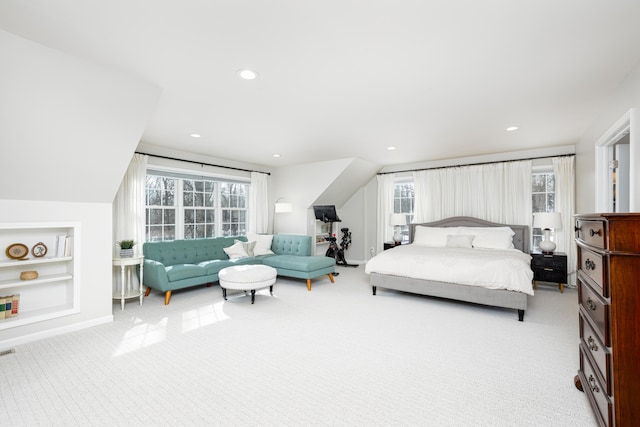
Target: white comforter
491,268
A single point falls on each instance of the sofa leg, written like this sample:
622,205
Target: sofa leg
167,297
331,278
147,292
309,285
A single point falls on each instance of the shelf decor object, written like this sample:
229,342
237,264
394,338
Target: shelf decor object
29,275
398,220
546,221
17,251
39,249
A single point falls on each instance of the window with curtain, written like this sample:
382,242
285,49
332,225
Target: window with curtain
183,207
403,201
543,200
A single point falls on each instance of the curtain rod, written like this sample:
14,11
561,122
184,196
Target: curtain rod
201,163
475,164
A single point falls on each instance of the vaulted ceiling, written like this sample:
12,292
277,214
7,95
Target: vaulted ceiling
349,78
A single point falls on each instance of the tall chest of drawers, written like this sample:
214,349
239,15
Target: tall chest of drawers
609,315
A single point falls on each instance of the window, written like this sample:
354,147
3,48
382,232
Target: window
186,208
403,199
543,194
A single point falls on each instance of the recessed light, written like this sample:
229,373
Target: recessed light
391,148
248,74
276,155
195,135
512,128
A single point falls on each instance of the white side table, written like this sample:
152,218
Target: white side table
125,287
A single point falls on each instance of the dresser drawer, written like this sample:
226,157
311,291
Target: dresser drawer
596,309
600,402
600,354
593,265
592,233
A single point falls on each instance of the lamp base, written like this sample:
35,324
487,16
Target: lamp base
397,238
547,246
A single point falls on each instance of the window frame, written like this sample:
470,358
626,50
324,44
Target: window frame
219,227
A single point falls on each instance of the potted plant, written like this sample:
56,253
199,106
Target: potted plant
126,248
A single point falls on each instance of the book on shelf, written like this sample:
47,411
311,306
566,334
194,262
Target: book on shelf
9,306
63,246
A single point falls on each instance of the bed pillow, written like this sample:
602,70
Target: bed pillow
263,243
247,246
491,237
462,241
236,250
435,237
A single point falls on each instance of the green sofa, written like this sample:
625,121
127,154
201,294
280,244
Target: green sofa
178,264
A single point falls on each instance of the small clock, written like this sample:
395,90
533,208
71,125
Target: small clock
39,249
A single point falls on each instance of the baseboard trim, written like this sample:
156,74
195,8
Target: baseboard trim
7,344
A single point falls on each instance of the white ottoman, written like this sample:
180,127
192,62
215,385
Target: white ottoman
247,278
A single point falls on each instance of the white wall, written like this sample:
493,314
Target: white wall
625,96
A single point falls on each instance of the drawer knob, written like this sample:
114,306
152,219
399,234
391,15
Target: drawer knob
593,232
590,304
592,344
593,384
589,265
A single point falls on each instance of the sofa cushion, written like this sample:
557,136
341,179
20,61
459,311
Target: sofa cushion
184,271
215,265
299,263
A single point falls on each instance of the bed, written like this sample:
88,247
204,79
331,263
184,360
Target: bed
478,267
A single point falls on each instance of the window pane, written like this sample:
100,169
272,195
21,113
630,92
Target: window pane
539,203
189,216
169,216
187,199
539,182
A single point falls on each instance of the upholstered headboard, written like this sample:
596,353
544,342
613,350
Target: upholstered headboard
520,239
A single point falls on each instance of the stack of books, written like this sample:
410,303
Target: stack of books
9,306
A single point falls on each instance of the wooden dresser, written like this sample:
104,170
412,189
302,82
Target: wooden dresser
609,315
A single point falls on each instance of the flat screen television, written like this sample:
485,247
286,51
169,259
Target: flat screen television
326,213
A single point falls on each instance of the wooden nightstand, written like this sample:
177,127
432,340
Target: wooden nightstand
389,245
549,268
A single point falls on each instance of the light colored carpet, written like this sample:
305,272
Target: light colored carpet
335,356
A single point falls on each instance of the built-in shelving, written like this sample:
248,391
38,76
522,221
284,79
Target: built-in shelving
55,292
321,232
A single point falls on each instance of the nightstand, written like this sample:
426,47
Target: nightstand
389,245
549,268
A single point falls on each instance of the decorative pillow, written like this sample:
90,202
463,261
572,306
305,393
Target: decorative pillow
491,237
247,246
464,241
236,250
263,243
435,237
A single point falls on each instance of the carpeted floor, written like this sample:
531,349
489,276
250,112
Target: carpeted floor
335,356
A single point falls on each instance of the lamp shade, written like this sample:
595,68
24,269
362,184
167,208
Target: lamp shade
284,207
398,219
547,220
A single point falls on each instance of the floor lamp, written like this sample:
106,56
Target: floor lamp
280,207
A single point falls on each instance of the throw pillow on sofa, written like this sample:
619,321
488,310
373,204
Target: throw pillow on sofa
248,246
263,243
236,251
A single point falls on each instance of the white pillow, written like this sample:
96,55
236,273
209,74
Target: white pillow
435,237
247,246
490,237
236,250
263,243
464,241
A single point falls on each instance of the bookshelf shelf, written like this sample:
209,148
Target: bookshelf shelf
55,292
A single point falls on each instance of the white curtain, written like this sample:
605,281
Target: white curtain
564,170
259,203
498,192
386,188
129,205
129,210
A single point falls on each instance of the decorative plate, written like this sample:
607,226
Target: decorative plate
17,251
39,249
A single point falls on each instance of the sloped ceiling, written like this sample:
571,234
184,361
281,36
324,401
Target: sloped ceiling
437,79
68,128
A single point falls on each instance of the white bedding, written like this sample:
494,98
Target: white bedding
490,268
